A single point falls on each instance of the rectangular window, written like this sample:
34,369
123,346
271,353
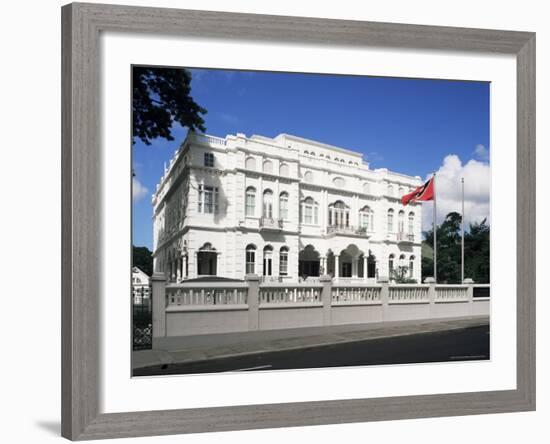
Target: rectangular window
250,204
250,260
208,159
283,263
308,214
208,199
283,208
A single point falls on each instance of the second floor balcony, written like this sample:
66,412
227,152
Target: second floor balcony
404,237
347,230
270,224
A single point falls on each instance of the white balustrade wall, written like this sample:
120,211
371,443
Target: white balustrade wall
192,308
408,294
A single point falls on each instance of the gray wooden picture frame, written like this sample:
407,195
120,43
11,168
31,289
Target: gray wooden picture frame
81,253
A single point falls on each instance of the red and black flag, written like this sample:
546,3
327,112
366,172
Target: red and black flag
424,192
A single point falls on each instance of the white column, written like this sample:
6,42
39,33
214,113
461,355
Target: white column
365,268
184,266
354,267
178,269
218,264
336,266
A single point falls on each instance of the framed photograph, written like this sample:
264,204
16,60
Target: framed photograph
279,221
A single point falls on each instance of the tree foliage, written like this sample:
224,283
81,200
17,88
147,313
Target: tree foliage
160,98
476,251
142,258
400,275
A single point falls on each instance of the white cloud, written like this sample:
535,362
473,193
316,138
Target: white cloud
481,152
138,190
477,191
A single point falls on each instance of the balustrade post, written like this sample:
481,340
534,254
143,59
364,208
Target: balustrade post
469,293
326,297
385,297
253,300
158,287
431,294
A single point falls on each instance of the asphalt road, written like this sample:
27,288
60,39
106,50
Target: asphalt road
454,345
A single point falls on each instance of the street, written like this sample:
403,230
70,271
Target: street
442,346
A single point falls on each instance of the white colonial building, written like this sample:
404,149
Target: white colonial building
285,208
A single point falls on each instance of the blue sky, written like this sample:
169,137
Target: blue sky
411,126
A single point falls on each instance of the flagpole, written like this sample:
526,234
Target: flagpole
435,231
462,230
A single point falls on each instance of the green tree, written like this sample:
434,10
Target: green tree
476,251
401,275
160,98
142,258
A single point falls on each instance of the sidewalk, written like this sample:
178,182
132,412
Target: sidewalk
187,349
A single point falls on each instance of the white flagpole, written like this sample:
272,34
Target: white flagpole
462,229
435,232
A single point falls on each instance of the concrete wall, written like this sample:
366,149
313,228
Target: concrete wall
198,322
342,314
273,318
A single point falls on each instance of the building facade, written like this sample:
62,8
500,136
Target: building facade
285,208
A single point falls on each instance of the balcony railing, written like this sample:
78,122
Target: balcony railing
208,140
347,229
405,237
269,223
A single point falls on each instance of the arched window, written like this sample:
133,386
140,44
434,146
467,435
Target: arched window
366,187
350,162
308,176
411,223
268,166
283,205
310,212
366,218
336,159
283,170
328,157
401,258
390,189
411,266
268,204
250,207
390,220
283,261
338,214
250,258
312,154
401,222
390,264
306,153
268,260
400,191
250,163
339,182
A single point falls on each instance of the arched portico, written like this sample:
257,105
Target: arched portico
207,260
351,263
309,262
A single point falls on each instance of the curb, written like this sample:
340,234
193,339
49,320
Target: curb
308,346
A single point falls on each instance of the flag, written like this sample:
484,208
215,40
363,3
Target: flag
424,192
